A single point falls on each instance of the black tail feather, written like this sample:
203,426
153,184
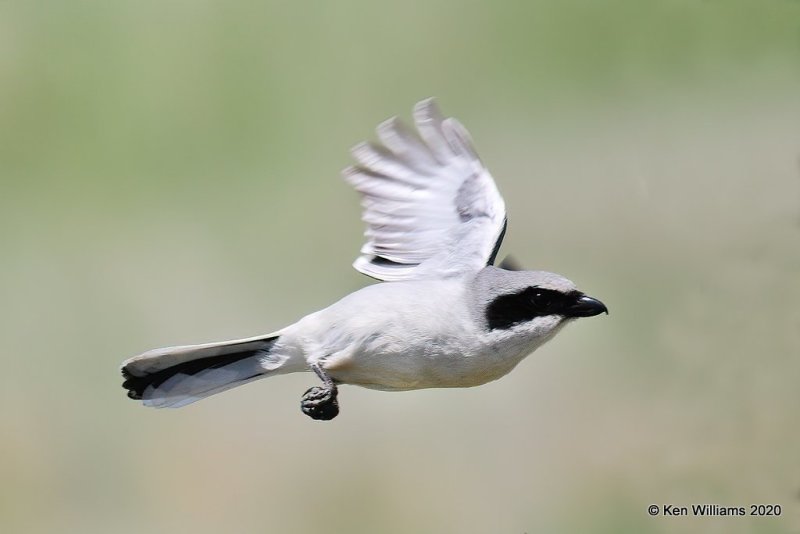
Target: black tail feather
136,385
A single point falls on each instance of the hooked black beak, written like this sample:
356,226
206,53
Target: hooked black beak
585,306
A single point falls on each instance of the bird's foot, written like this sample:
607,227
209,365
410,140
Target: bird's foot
320,402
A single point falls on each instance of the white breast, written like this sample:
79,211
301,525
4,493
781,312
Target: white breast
407,335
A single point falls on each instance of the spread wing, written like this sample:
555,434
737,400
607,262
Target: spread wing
431,207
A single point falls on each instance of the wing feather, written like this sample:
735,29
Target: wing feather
431,207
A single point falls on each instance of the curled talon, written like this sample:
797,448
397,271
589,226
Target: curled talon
320,403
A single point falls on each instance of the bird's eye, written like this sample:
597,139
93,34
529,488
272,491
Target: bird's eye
541,300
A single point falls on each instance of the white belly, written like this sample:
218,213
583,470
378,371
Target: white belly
379,364
404,335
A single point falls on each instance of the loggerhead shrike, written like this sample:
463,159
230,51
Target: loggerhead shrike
444,316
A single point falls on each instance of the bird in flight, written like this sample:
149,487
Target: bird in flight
443,317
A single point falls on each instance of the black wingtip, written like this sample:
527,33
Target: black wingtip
498,242
510,263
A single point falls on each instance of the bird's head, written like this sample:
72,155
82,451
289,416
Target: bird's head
537,302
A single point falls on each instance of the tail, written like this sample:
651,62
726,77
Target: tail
176,376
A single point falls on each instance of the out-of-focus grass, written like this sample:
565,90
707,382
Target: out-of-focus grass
169,176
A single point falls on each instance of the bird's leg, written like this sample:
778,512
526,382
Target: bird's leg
320,402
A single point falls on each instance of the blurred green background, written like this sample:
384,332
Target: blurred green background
170,175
